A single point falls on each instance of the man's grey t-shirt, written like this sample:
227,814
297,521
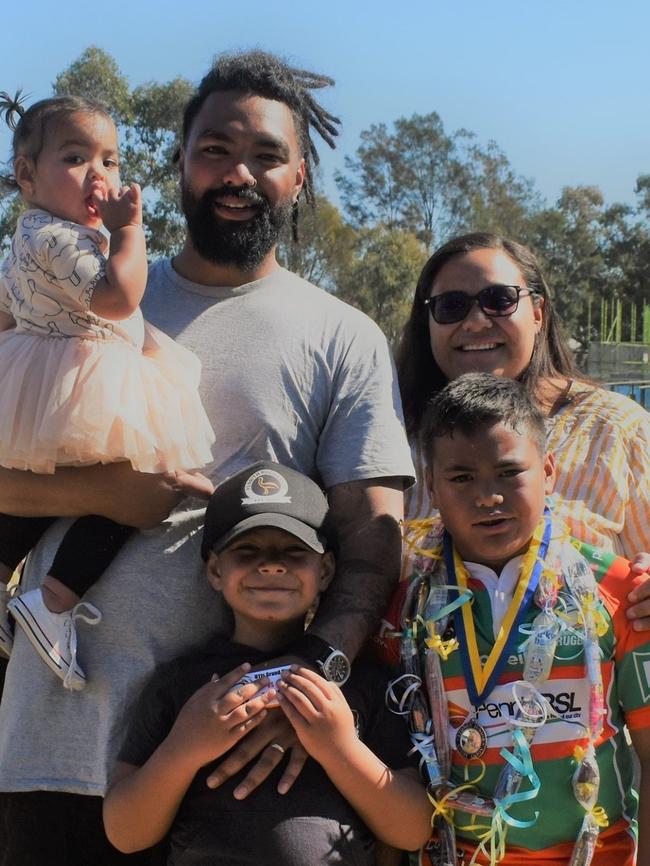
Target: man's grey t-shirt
290,374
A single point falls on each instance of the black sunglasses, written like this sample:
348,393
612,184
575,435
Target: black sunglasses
494,301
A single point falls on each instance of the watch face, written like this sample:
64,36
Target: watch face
336,668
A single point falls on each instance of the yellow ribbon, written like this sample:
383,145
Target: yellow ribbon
443,647
415,531
481,831
429,552
578,754
600,816
495,835
599,621
441,807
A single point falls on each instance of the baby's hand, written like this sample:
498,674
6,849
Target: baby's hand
318,712
215,718
119,208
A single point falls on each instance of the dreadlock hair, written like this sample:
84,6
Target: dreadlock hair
259,73
476,400
30,125
419,375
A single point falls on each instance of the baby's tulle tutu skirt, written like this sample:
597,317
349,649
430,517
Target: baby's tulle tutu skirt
69,401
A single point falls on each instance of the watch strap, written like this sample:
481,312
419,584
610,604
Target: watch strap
310,647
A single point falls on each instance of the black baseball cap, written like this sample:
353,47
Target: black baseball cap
266,494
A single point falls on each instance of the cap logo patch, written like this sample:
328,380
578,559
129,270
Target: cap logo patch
266,485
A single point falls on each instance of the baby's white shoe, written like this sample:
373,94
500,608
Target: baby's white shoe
54,635
6,631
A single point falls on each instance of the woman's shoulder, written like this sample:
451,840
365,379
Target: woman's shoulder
589,404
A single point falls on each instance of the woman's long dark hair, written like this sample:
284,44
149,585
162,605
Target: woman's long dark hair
419,375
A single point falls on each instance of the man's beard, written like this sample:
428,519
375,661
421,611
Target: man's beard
244,244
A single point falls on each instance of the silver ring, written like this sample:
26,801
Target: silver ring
278,747
252,184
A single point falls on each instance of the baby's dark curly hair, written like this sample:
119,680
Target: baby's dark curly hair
29,125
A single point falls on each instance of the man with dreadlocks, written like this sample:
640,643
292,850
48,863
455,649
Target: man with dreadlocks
290,374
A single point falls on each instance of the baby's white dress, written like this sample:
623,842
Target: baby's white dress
79,389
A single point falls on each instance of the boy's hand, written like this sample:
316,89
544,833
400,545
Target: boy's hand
119,208
215,718
318,712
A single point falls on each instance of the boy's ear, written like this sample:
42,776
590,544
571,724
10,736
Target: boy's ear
328,567
24,170
549,473
212,569
428,481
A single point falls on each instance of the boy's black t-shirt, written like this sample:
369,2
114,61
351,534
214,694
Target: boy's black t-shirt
311,824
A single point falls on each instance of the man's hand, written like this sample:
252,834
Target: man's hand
143,499
272,732
639,598
113,490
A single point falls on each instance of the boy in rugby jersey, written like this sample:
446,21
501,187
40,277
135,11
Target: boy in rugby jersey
541,669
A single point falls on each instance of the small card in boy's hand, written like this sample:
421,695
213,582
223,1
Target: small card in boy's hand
271,674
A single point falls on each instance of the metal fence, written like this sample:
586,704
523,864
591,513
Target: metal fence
636,389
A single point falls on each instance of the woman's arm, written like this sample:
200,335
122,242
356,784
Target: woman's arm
142,802
325,726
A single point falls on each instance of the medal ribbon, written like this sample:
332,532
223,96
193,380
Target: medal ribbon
521,762
481,679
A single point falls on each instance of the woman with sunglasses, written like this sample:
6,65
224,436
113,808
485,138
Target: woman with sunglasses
482,304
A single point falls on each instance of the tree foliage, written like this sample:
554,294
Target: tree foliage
419,178
409,178
409,186
326,245
500,200
568,240
95,75
381,276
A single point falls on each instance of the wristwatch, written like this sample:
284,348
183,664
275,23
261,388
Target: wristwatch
333,664
335,667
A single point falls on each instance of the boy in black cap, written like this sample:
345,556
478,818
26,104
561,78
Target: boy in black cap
269,552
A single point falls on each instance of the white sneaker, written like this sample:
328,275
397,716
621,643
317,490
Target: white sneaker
54,635
6,632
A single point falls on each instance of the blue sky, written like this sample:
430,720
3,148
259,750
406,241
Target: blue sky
561,85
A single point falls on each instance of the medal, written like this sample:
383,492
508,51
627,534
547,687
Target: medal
471,739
